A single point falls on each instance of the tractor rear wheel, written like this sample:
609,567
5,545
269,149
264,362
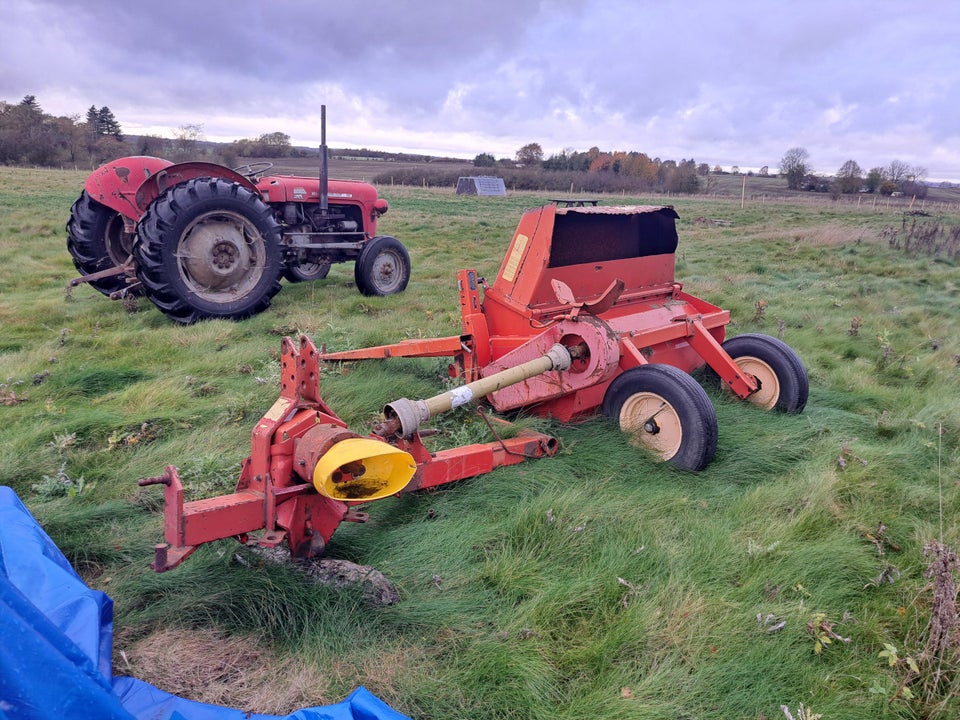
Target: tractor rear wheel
97,241
383,267
209,248
783,378
306,271
665,411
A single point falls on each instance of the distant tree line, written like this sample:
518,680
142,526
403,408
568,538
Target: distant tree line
637,171
896,178
29,136
276,144
634,171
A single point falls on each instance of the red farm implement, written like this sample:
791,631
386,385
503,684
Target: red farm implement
601,279
585,314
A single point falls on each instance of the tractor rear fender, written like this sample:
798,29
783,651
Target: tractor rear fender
116,183
165,178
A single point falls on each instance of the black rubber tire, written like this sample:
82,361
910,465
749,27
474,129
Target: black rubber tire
763,355
681,423
306,272
96,242
236,268
383,267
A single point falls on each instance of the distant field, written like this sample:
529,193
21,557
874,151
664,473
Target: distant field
753,188
364,170
595,584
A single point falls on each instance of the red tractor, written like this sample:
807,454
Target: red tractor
203,241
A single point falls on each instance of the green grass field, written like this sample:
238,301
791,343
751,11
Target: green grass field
595,584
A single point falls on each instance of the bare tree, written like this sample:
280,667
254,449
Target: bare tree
187,136
795,166
530,154
898,171
849,177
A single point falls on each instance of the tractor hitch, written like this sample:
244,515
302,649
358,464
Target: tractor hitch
307,471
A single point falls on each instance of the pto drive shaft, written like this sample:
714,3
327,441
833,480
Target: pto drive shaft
405,416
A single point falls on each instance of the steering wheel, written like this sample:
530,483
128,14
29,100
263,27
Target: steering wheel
253,169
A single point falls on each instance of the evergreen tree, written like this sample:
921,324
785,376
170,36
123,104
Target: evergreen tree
30,104
484,160
108,124
93,120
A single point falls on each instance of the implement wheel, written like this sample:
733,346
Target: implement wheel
664,411
209,248
780,372
383,267
97,241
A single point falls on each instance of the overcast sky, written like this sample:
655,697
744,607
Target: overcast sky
726,82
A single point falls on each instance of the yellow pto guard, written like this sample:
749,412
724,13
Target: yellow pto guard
363,469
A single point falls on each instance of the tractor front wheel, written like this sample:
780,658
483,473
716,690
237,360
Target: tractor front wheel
209,248
782,377
383,267
97,241
666,412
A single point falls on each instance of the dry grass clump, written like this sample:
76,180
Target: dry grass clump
924,237
944,621
239,671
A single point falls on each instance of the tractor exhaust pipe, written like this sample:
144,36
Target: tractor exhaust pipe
324,176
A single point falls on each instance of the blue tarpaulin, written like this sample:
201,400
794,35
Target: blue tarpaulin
56,638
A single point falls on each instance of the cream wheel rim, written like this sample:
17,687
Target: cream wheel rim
652,424
769,392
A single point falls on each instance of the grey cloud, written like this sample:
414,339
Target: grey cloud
707,79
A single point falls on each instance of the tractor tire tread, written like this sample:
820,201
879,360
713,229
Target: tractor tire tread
153,249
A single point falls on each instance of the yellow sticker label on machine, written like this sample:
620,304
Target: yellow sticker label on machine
513,262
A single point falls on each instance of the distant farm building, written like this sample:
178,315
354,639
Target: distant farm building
481,185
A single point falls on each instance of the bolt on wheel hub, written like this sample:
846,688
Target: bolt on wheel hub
225,256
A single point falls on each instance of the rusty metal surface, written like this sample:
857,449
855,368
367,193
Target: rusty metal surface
598,363
116,183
